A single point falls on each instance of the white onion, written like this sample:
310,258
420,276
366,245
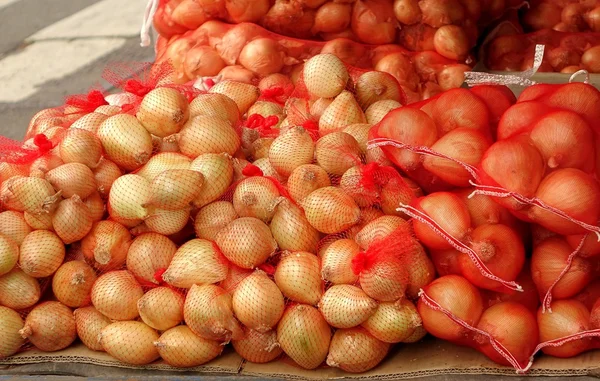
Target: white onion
42,253
9,254
129,197
355,350
257,302
108,110
81,146
247,242
131,342
50,326
90,323
325,76
115,295
72,220
72,283
196,262
180,347
162,162
106,245
330,210
163,111
125,141
336,262
291,229
218,175
161,308
149,254
105,175
205,134
343,111
10,325
305,179
19,290
298,277
346,306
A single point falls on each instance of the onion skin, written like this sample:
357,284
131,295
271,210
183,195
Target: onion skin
10,325
262,56
306,179
180,347
42,253
106,245
298,277
197,261
14,226
163,111
117,134
72,220
81,146
256,247
72,179
568,317
131,342
354,350
149,253
373,21
304,335
254,197
342,211
218,175
9,254
258,347
203,135
19,290
161,308
325,83
72,283
291,230
393,322
115,295
50,326
105,174
212,218
346,306
90,323
290,150
336,262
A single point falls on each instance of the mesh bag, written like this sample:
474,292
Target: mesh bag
563,15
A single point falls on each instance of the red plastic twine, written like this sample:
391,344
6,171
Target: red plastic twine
263,125
87,103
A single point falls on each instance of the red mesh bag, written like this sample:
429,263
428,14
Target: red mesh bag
563,16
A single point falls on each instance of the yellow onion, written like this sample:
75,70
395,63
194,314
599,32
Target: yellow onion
10,325
360,133
319,106
168,144
95,206
330,210
235,275
72,179
257,302
149,253
336,262
258,347
374,86
212,218
7,197
72,283
115,295
255,197
90,323
162,162
379,109
39,221
163,111
346,306
197,261
42,165
244,95
42,253
377,230
337,152
125,141
161,308
131,342
205,134
291,229
9,254
167,222
129,197
343,111
325,76
32,194
108,110
106,245
105,175
267,169
247,242
181,347
305,179
290,150
393,322
266,109
417,335
50,326
81,146
19,290
304,335
238,168
176,188
72,220
260,148
297,276
354,350
208,312
215,105
217,170
90,122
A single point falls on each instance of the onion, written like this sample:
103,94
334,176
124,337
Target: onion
260,148
360,133
325,76
50,326
72,179
459,297
212,218
80,146
257,302
400,67
160,163
125,141
438,13
393,322
202,61
187,183
18,290
105,174
197,261
407,11
572,191
337,152
262,56
95,206
258,347
343,111
180,347
549,260
305,179
216,105
345,49
240,11
238,74
41,253
148,254
568,317
235,39
254,197
529,297
336,262
235,275
161,308
204,134
378,110
330,210
8,170
42,165
218,175
590,247
419,334
460,108
32,194
90,323
208,312
304,335
593,19
484,210
256,247
544,15
452,76
374,86
89,122
10,325
421,272
72,220
129,197
452,42
332,18
378,229
346,306
108,110
354,350
115,295
9,254
373,21
578,97
243,94
513,326
297,276
291,230
589,59
39,221
106,245
131,342
72,283
290,150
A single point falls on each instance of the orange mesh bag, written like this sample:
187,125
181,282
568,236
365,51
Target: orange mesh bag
563,15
